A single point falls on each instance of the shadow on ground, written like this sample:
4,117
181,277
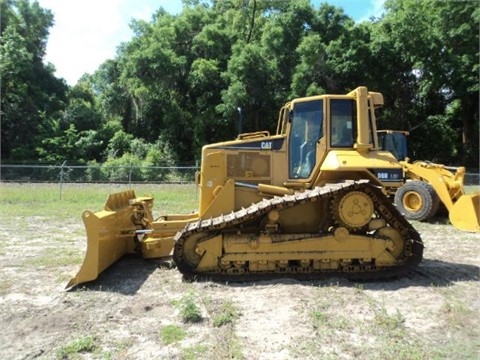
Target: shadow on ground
443,273
128,275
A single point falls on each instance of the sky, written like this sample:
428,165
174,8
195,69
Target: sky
87,32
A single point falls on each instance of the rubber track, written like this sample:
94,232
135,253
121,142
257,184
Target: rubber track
408,262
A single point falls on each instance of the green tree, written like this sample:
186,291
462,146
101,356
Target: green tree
74,135
183,78
30,94
328,54
437,46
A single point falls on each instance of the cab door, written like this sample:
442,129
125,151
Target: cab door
306,131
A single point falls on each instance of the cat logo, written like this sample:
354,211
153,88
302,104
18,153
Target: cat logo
266,145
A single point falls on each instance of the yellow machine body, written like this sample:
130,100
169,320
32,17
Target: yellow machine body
428,184
308,201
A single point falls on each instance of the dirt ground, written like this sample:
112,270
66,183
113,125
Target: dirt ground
432,314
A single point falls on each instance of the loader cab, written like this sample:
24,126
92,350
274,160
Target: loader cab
394,142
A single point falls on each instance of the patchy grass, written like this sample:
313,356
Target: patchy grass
389,323
228,345
194,352
5,286
84,344
73,199
470,189
432,314
189,310
171,334
226,314
54,257
347,322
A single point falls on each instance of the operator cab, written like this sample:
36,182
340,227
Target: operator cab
317,125
394,141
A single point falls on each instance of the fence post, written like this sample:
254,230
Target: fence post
197,195
61,178
130,174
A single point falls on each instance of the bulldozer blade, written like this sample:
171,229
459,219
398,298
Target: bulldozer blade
465,213
110,235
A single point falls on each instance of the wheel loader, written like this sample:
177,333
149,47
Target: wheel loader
307,202
427,185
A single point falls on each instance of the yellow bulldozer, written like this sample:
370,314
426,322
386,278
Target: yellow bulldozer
427,185
308,202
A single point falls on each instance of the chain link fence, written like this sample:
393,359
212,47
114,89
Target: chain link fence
472,179
64,173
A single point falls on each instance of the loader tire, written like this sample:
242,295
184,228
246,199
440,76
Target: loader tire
417,200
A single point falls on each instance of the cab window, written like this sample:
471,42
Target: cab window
306,130
342,123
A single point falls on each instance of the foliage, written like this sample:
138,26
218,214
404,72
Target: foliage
30,95
189,310
122,168
84,344
171,334
438,45
228,314
184,80
194,352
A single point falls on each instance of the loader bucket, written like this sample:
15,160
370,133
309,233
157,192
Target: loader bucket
110,235
465,213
